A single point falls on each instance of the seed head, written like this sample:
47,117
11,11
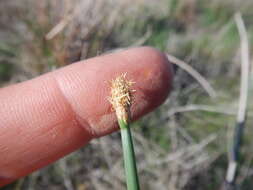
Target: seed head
121,97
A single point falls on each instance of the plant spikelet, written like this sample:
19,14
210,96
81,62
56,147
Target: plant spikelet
121,97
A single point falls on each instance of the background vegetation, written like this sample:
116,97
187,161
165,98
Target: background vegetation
180,146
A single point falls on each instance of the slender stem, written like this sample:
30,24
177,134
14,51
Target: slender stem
234,160
129,157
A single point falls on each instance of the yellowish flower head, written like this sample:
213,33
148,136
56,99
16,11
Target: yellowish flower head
121,97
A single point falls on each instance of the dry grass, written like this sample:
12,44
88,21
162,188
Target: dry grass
181,146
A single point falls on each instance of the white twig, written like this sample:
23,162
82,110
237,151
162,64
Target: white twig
203,82
244,88
142,40
58,27
198,107
244,68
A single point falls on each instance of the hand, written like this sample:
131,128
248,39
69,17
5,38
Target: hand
52,115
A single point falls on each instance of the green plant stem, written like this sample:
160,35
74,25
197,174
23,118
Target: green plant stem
129,157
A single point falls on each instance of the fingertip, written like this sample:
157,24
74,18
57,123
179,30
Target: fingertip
153,80
85,86
147,67
162,66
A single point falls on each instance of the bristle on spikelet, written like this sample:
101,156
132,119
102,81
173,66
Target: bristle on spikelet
121,97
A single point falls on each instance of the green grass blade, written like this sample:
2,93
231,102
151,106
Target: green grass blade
129,157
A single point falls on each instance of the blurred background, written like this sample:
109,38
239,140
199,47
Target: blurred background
183,145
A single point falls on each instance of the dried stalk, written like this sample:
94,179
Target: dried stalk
234,153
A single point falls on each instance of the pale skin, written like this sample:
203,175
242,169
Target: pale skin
52,115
